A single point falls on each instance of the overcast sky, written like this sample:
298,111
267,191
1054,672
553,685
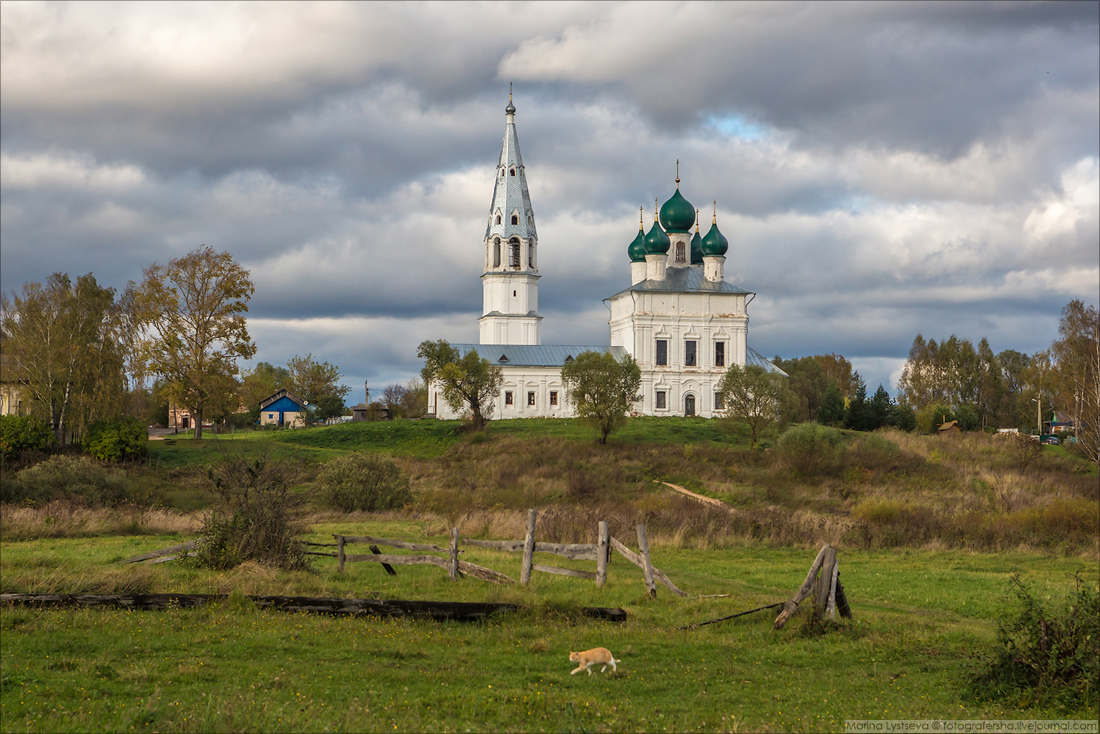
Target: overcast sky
880,169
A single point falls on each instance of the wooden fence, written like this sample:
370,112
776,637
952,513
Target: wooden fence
600,552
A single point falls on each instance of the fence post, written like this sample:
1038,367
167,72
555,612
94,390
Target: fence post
340,553
528,548
825,580
643,545
454,554
603,548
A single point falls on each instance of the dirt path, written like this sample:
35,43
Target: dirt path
709,500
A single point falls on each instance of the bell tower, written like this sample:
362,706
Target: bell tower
510,282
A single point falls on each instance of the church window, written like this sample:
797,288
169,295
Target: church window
719,354
507,397
690,353
530,398
680,253
513,254
531,254
719,402
496,252
553,397
515,219
513,294
498,219
662,351
662,403
513,171
689,405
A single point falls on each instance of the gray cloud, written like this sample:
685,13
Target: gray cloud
880,170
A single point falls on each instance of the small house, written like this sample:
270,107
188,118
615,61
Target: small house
283,409
949,427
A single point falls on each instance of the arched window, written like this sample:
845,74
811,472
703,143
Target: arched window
498,219
515,219
680,253
496,252
513,253
531,255
512,171
689,405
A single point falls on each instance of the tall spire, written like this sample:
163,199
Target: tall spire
511,199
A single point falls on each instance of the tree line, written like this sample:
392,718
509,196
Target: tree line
80,353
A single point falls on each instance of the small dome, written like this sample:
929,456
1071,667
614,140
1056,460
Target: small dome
696,248
511,108
636,250
657,242
677,214
714,243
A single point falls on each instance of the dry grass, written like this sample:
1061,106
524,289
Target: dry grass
65,519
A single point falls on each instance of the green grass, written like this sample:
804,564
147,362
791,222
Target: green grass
923,622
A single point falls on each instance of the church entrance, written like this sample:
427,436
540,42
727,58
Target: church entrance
689,405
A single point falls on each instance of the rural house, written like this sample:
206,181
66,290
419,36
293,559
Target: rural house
283,409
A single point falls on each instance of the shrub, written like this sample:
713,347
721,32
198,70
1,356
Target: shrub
69,477
1047,657
254,517
810,448
23,433
873,451
125,438
905,418
365,482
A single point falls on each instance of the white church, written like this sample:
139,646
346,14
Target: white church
680,319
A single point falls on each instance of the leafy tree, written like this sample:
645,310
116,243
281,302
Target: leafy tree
838,371
315,382
857,417
414,399
1078,367
753,396
905,418
62,346
602,389
193,309
468,381
807,381
880,410
990,384
23,433
259,383
1013,411
831,412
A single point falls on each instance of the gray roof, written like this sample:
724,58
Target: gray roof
754,357
530,355
685,280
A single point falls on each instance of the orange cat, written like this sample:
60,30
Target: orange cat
596,656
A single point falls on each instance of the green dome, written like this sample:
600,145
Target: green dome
657,242
715,243
696,249
677,214
636,250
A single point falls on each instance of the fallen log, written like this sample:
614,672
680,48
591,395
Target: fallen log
348,607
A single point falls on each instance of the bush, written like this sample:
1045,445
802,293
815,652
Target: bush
254,518
873,451
125,438
20,433
69,477
810,448
1047,657
363,482
905,418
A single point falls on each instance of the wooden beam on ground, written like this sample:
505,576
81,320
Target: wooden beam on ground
791,605
189,545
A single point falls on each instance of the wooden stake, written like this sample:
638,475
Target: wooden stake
842,600
830,607
340,553
389,569
603,549
647,569
454,554
791,605
528,548
825,580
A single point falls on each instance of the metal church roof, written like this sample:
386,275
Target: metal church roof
685,280
532,355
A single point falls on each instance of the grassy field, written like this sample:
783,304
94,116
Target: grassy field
923,623
930,534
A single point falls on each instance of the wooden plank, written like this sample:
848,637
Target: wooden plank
830,607
389,569
563,571
842,600
392,543
647,567
375,607
341,559
165,559
825,579
528,548
453,570
791,605
189,545
315,553
319,545
627,553
660,576
513,546
485,574
603,550
398,560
